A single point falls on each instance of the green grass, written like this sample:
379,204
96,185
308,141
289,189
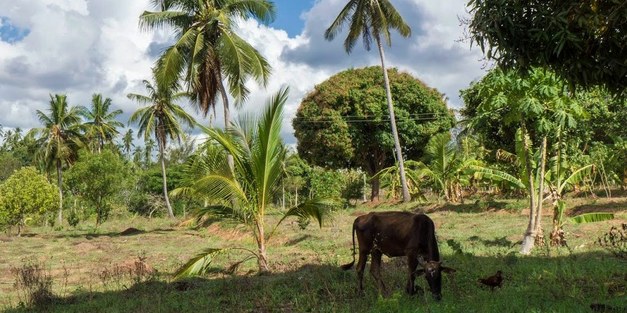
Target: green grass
305,274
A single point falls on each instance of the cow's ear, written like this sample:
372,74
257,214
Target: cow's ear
419,272
447,270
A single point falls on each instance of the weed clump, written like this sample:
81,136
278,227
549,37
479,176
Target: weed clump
127,274
615,241
33,284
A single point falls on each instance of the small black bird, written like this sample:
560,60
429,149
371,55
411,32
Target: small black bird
493,281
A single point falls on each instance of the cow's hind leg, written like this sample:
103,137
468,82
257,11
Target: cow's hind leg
375,270
361,265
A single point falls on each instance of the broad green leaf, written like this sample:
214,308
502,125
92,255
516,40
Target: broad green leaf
592,217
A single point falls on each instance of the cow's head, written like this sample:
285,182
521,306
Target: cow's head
433,274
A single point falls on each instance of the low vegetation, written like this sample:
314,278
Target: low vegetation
117,268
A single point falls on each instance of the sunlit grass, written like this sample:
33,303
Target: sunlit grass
305,276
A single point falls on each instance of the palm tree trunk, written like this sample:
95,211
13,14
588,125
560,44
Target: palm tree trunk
530,235
262,259
397,143
165,183
60,182
227,122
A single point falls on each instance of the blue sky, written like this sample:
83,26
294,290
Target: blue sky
289,15
10,33
81,47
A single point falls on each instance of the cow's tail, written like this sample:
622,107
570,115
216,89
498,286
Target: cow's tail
350,265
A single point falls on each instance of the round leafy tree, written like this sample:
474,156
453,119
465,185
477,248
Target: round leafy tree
344,121
26,192
98,178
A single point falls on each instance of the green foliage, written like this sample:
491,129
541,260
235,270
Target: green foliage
344,122
584,42
446,167
26,193
367,19
8,165
591,218
101,125
326,183
207,49
98,179
163,119
60,138
245,192
540,101
19,147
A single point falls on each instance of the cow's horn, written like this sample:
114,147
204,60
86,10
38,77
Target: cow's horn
421,260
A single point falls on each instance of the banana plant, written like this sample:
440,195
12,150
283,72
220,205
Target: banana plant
445,165
391,179
559,185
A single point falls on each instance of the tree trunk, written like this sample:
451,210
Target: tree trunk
227,123
538,222
397,144
165,182
374,189
530,234
60,182
262,259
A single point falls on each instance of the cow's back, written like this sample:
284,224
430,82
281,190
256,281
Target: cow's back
393,232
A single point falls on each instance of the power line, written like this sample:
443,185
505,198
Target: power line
313,121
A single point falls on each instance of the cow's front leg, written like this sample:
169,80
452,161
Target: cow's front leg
361,265
375,270
412,264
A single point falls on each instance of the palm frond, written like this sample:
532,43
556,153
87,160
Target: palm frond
340,20
200,264
316,209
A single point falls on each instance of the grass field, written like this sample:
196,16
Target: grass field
99,270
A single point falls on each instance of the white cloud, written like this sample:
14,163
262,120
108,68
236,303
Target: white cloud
80,47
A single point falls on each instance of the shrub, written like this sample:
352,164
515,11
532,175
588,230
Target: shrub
25,193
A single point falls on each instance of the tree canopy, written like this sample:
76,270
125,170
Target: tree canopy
97,178
344,122
582,41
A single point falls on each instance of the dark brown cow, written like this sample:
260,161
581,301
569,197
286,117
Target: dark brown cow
398,234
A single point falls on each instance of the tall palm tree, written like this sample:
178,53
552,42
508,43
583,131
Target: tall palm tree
60,138
246,192
207,50
370,19
161,118
127,142
149,145
101,123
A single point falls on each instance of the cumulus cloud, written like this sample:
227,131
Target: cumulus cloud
433,53
74,47
80,47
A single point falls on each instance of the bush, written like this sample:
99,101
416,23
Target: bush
25,193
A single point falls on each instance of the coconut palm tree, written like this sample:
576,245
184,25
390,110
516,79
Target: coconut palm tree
161,118
60,138
207,51
245,193
370,19
101,123
127,142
